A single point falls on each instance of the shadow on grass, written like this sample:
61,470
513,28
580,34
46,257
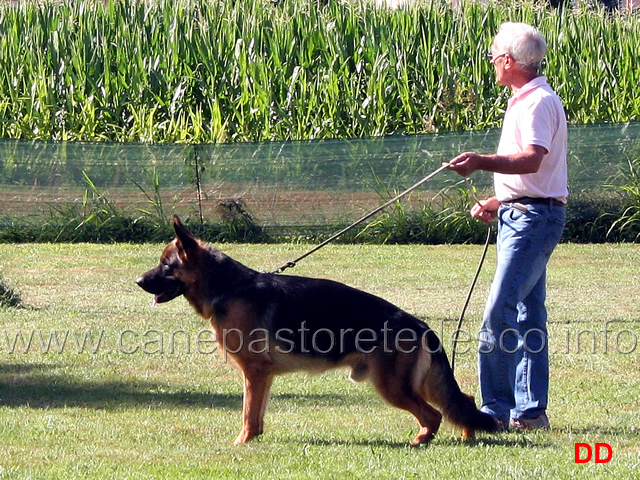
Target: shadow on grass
602,431
500,440
377,443
28,385
35,386
511,439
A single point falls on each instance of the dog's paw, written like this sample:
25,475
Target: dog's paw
468,434
245,437
424,436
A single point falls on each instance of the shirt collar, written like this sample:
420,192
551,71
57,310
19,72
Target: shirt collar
532,85
526,89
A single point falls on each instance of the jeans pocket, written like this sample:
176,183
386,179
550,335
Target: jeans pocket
515,214
517,220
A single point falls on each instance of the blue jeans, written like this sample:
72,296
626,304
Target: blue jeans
513,359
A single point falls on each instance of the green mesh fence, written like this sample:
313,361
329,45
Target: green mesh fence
279,183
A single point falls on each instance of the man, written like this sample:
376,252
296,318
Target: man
530,184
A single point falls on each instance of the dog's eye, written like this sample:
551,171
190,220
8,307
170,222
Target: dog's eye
166,269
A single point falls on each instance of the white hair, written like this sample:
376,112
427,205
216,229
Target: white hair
524,43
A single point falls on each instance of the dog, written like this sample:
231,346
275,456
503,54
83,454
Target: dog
271,324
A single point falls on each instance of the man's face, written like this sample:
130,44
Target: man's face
500,61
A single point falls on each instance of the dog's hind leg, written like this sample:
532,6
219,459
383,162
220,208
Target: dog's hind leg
400,392
428,417
257,385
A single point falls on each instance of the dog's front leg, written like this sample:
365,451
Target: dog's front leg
257,384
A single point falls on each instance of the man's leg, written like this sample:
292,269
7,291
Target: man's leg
524,247
532,373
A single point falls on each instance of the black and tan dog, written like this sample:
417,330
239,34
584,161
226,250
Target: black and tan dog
273,324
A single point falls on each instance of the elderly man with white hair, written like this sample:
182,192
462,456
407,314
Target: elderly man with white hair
530,186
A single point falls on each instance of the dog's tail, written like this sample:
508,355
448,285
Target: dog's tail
441,388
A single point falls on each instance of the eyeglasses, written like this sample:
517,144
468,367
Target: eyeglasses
493,58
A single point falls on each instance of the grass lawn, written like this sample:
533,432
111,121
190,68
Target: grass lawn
127,391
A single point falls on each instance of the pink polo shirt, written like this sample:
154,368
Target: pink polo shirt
535,116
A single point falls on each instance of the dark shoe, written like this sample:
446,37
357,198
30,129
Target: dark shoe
541,422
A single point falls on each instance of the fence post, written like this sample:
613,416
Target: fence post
198,183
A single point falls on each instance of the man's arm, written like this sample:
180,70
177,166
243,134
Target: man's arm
527,161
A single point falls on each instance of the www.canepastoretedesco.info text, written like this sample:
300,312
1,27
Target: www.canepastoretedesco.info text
610,337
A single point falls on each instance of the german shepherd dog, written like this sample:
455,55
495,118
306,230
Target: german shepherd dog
271,324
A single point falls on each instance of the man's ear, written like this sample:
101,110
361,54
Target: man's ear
187,243
509,62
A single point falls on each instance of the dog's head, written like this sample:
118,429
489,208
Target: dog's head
170,278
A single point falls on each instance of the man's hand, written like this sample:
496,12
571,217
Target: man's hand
486,210
465,164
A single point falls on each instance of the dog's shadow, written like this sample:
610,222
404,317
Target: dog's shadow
39,386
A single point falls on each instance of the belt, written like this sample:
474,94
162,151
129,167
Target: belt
552,202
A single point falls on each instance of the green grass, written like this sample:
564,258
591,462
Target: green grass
9,297
129,411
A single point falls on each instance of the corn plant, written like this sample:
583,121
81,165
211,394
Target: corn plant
220,71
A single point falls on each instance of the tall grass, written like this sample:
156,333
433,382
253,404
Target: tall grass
628,222
9,295
213,70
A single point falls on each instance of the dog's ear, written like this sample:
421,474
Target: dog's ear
187,243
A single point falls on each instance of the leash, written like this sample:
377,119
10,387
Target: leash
468,299
293,263
473,282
